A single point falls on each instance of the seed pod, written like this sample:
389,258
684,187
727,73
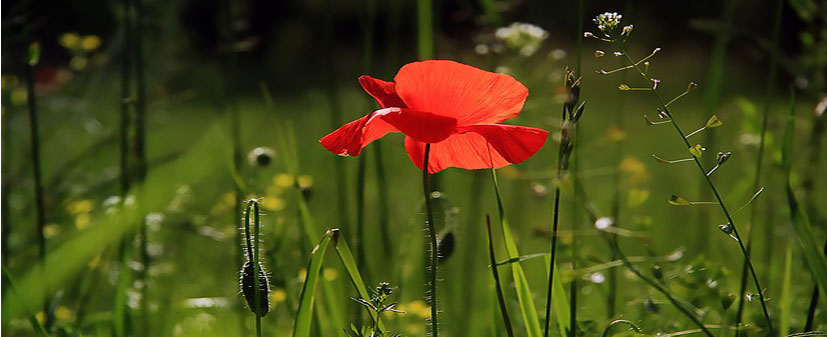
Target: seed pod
248,288
445,247
657,272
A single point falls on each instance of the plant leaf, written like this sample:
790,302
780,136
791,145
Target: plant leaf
349,262
713,122
678,201
697,150
304,320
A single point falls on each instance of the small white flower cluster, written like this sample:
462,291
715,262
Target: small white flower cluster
524,37
607,22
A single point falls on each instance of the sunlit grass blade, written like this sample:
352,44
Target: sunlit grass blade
560,301
10,295
356,279
496,275
286,143
524,295
304,315
303,322
798,217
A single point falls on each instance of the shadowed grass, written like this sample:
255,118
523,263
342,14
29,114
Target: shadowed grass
798,218
500,297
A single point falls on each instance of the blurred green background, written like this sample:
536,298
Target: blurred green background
205,62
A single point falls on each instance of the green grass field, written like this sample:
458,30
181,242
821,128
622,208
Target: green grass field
121,253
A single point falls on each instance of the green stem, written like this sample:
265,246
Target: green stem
432,238
712,187
40,208
125,103
425,29
497,283
575,214
614,243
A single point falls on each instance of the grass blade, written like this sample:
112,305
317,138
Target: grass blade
786,293
352,268
7,279
560,302
496,275
798,218
524,296
301,326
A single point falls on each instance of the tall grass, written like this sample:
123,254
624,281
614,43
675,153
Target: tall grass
759,159
497,283
31,60
813,256
576,220
570,115
713,86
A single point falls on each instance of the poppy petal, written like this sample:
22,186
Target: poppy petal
514,143
471,95
351,138
383,92
479,147
422,126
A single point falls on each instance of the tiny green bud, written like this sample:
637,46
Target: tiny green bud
697,150
691,86
723,157
713,122
678,201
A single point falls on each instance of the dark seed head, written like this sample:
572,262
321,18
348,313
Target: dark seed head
445,247
248,288
657,272
651,306
261,156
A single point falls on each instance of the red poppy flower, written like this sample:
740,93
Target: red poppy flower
454,107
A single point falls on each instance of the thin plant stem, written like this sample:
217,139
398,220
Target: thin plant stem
497,283
125,103
770,83
575,210
712,186
40,208
140,157
230,60
432,243
612,279
554,227
614,243
425,29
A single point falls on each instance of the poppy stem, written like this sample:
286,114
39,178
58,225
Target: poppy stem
432,242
